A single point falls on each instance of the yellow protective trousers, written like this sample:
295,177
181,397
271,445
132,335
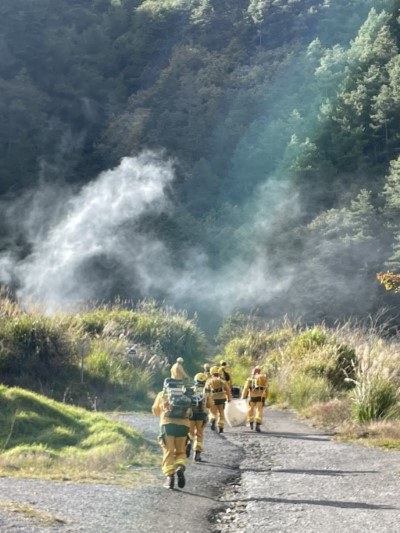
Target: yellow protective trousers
258,408
217,411
174,453
196,434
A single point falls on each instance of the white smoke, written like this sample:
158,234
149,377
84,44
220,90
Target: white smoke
70,229
73,233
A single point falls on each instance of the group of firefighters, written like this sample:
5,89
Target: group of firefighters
181,435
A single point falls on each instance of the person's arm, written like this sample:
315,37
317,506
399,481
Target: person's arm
209,402
245,392
227,392
156,408
265,392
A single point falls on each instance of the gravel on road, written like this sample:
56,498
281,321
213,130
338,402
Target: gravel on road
297,479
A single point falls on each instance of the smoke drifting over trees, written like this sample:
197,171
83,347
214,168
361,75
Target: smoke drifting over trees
144,153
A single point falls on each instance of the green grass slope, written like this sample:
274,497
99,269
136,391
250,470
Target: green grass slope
44,438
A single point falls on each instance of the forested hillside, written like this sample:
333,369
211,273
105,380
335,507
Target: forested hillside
260,153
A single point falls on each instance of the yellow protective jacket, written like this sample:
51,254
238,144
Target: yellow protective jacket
158,409
257,394
177,371
217,389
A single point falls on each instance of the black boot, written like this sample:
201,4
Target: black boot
258,427
180,472
213,424
169,482
197,457
188,448
251,425
220,430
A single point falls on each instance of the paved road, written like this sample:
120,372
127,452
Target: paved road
296,479
290,478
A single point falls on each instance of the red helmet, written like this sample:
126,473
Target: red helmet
256,370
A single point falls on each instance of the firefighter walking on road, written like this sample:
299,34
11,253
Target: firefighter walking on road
177,370
201,403
256,388
174,430
220,393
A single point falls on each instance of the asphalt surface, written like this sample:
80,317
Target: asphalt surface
289,478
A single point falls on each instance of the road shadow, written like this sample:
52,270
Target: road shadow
324,503
325,472
220,465
257,470
296,436
321,437
218,500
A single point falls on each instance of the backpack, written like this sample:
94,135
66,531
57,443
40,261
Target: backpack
177,399
198,398
215,384
258,381
226,376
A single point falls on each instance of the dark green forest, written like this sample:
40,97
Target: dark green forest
218,155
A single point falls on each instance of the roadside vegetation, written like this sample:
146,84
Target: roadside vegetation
345,378
110,357
115,357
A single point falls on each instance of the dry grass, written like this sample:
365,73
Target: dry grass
382,434
378,356
330,414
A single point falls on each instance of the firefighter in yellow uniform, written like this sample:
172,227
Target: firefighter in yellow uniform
201,403
256,388
177,370
173,437
220,393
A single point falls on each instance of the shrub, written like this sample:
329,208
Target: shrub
108,364
304,390
344,367
36,351
149,324
373,399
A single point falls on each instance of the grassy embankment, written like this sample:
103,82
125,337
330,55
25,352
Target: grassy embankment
345,378
43,438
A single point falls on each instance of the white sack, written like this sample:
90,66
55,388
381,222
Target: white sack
236,412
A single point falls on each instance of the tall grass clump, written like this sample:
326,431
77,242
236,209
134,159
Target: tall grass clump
376,375
36,351
303,391
374,399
